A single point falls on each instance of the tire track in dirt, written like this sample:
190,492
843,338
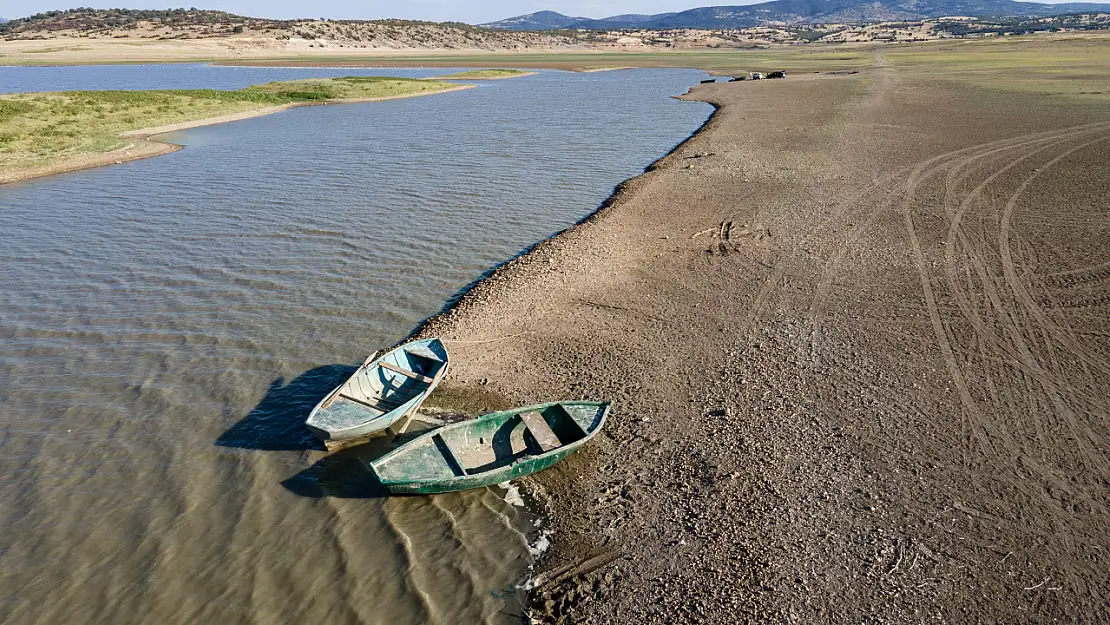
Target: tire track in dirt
957,235
981,425
1090,273
892,194
1058,390
1016,352
958,238
1004,447
957,162
923,171
976,420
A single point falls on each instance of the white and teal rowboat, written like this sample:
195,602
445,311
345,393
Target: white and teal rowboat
382,392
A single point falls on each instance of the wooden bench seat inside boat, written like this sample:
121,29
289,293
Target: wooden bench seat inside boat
541,431
449,455
405,372
423,352
377,403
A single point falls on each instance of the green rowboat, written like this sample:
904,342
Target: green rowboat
495,448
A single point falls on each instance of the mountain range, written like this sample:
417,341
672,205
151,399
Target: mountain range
797,11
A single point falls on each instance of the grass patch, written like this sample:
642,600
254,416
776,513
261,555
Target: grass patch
1069,68
484,74
348,87
41,129
57,49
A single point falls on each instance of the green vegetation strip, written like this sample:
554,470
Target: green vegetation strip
44,129
1066,69
484,74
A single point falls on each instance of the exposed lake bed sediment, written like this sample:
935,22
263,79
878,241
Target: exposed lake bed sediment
853,331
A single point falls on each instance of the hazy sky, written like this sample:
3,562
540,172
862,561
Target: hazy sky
470,11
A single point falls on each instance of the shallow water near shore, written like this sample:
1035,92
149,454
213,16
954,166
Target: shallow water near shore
167,324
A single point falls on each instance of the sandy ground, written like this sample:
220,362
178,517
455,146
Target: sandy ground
857,336
146,142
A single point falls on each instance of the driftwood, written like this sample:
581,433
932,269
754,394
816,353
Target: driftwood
561,574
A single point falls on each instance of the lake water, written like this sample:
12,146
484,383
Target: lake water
167,324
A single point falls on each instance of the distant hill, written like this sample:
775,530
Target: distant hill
85,19
177,24
543,20
793,22
550,20
632,18
798,11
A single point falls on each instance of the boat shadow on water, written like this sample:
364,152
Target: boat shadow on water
277,422
344,474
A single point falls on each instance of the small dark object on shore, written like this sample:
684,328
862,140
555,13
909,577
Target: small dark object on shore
738,78
705,82
777,74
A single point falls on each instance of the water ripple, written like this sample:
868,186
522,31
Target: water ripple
167,324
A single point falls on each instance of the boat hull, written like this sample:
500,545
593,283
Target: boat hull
497,476
350,415
492,449
342,439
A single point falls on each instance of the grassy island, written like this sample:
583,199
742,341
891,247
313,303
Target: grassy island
485,74
44,133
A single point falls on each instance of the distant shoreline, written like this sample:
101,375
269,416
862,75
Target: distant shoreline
147,146
595,70
481,78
